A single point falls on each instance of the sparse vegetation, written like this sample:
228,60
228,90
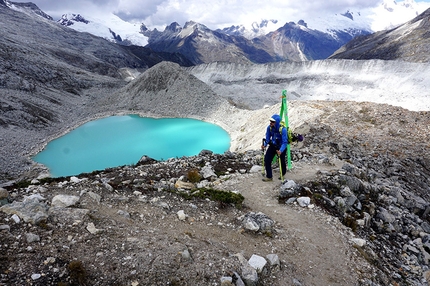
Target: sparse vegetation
223,197
78,274
193,176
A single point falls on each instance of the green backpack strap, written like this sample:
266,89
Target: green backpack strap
289,132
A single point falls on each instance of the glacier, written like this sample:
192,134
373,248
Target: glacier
255,86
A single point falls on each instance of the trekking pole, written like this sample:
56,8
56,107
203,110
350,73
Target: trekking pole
280,168
263,169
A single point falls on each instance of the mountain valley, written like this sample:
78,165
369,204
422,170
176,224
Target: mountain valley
363,168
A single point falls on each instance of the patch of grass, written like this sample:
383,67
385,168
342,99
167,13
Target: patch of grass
268,234
220,173
78,274
223,197
350,222
22,184
47,180
317,197
194,176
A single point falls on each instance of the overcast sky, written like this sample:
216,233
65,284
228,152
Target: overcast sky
213,14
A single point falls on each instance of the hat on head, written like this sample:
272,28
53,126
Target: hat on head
272,119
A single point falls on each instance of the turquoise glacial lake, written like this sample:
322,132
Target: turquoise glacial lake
123,140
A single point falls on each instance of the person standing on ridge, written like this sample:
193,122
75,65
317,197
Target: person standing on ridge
277,139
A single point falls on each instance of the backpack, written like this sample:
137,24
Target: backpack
292,137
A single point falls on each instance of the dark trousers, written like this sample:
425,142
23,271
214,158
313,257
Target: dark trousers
268,158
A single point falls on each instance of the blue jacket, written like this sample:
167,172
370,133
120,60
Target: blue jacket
274,137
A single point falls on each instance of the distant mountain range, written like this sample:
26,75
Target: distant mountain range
263,42
294,42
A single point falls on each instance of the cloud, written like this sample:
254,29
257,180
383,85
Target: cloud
223,13
214,14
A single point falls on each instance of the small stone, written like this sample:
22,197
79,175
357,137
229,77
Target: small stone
184,185
3,194
186,254
249,275
181,215
256,169
359,242
49,260
290,184
31,237
257,262
304,201
273,259
16,218
74,179
92,228
123,213
239,281
226,281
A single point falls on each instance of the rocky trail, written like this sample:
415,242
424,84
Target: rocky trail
315,243
141,238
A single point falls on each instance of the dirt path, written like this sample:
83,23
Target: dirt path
311,243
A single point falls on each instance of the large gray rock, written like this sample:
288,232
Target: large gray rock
258,263
64,201
30,210
258,222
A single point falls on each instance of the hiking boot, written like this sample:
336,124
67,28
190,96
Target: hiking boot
267,179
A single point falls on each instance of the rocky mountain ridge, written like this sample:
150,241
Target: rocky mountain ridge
293,42
408,42
308,39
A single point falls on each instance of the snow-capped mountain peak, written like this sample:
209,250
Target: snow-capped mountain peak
264,27
391,14
253,30
385,16
108,26
70,19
